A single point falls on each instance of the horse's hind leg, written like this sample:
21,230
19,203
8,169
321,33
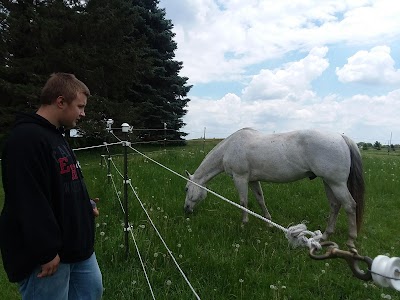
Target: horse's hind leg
344,197
334,205
258,193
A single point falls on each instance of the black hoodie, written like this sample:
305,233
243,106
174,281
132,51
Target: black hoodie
46,210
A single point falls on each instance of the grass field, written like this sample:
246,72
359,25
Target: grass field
221,258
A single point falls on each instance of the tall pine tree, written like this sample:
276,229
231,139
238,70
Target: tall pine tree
162,92
134,49
123,50
37,36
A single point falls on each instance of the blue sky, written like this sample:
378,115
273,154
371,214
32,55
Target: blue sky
285,65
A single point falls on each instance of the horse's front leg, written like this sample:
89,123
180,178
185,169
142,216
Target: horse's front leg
242,187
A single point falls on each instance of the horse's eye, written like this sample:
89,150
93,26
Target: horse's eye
186,189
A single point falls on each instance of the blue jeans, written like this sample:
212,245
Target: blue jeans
77,281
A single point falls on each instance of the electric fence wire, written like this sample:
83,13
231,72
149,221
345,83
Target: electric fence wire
133,238
98,146
164,243
155,229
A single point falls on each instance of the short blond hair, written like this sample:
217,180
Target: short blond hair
62,84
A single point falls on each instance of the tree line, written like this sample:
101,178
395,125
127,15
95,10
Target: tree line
122,49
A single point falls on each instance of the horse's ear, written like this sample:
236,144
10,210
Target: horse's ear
187,173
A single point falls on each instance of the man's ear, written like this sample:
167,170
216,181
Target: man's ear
60,102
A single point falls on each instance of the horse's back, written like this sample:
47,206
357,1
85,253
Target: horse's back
286,156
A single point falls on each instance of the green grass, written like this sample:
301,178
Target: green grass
222,259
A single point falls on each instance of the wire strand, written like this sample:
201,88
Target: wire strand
134,240
164,243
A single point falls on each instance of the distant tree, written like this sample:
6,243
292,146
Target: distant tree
377,145
365,146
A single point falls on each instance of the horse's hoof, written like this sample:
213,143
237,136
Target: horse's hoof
325,236
353,250
352,247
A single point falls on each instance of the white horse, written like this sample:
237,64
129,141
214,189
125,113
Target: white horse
249,157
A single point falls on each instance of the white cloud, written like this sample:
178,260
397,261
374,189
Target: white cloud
374,67
362,117
293,79
294,106
219,40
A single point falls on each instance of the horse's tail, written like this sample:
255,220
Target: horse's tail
355,183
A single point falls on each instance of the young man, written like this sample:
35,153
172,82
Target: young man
47,222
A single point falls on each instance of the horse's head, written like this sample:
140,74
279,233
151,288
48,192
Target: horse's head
194,194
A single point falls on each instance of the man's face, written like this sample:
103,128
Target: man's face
74,111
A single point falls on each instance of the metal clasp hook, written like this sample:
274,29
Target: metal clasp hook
352,259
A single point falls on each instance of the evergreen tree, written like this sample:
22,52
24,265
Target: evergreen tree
37,35
134,48
122,49
162,92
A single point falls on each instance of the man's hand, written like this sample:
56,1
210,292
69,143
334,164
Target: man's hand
49,268
95,209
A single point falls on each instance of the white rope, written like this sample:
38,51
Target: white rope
142,263
164,243
116,191
296,235
120,174
158,233
116,136
108,150
98,146
134,240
